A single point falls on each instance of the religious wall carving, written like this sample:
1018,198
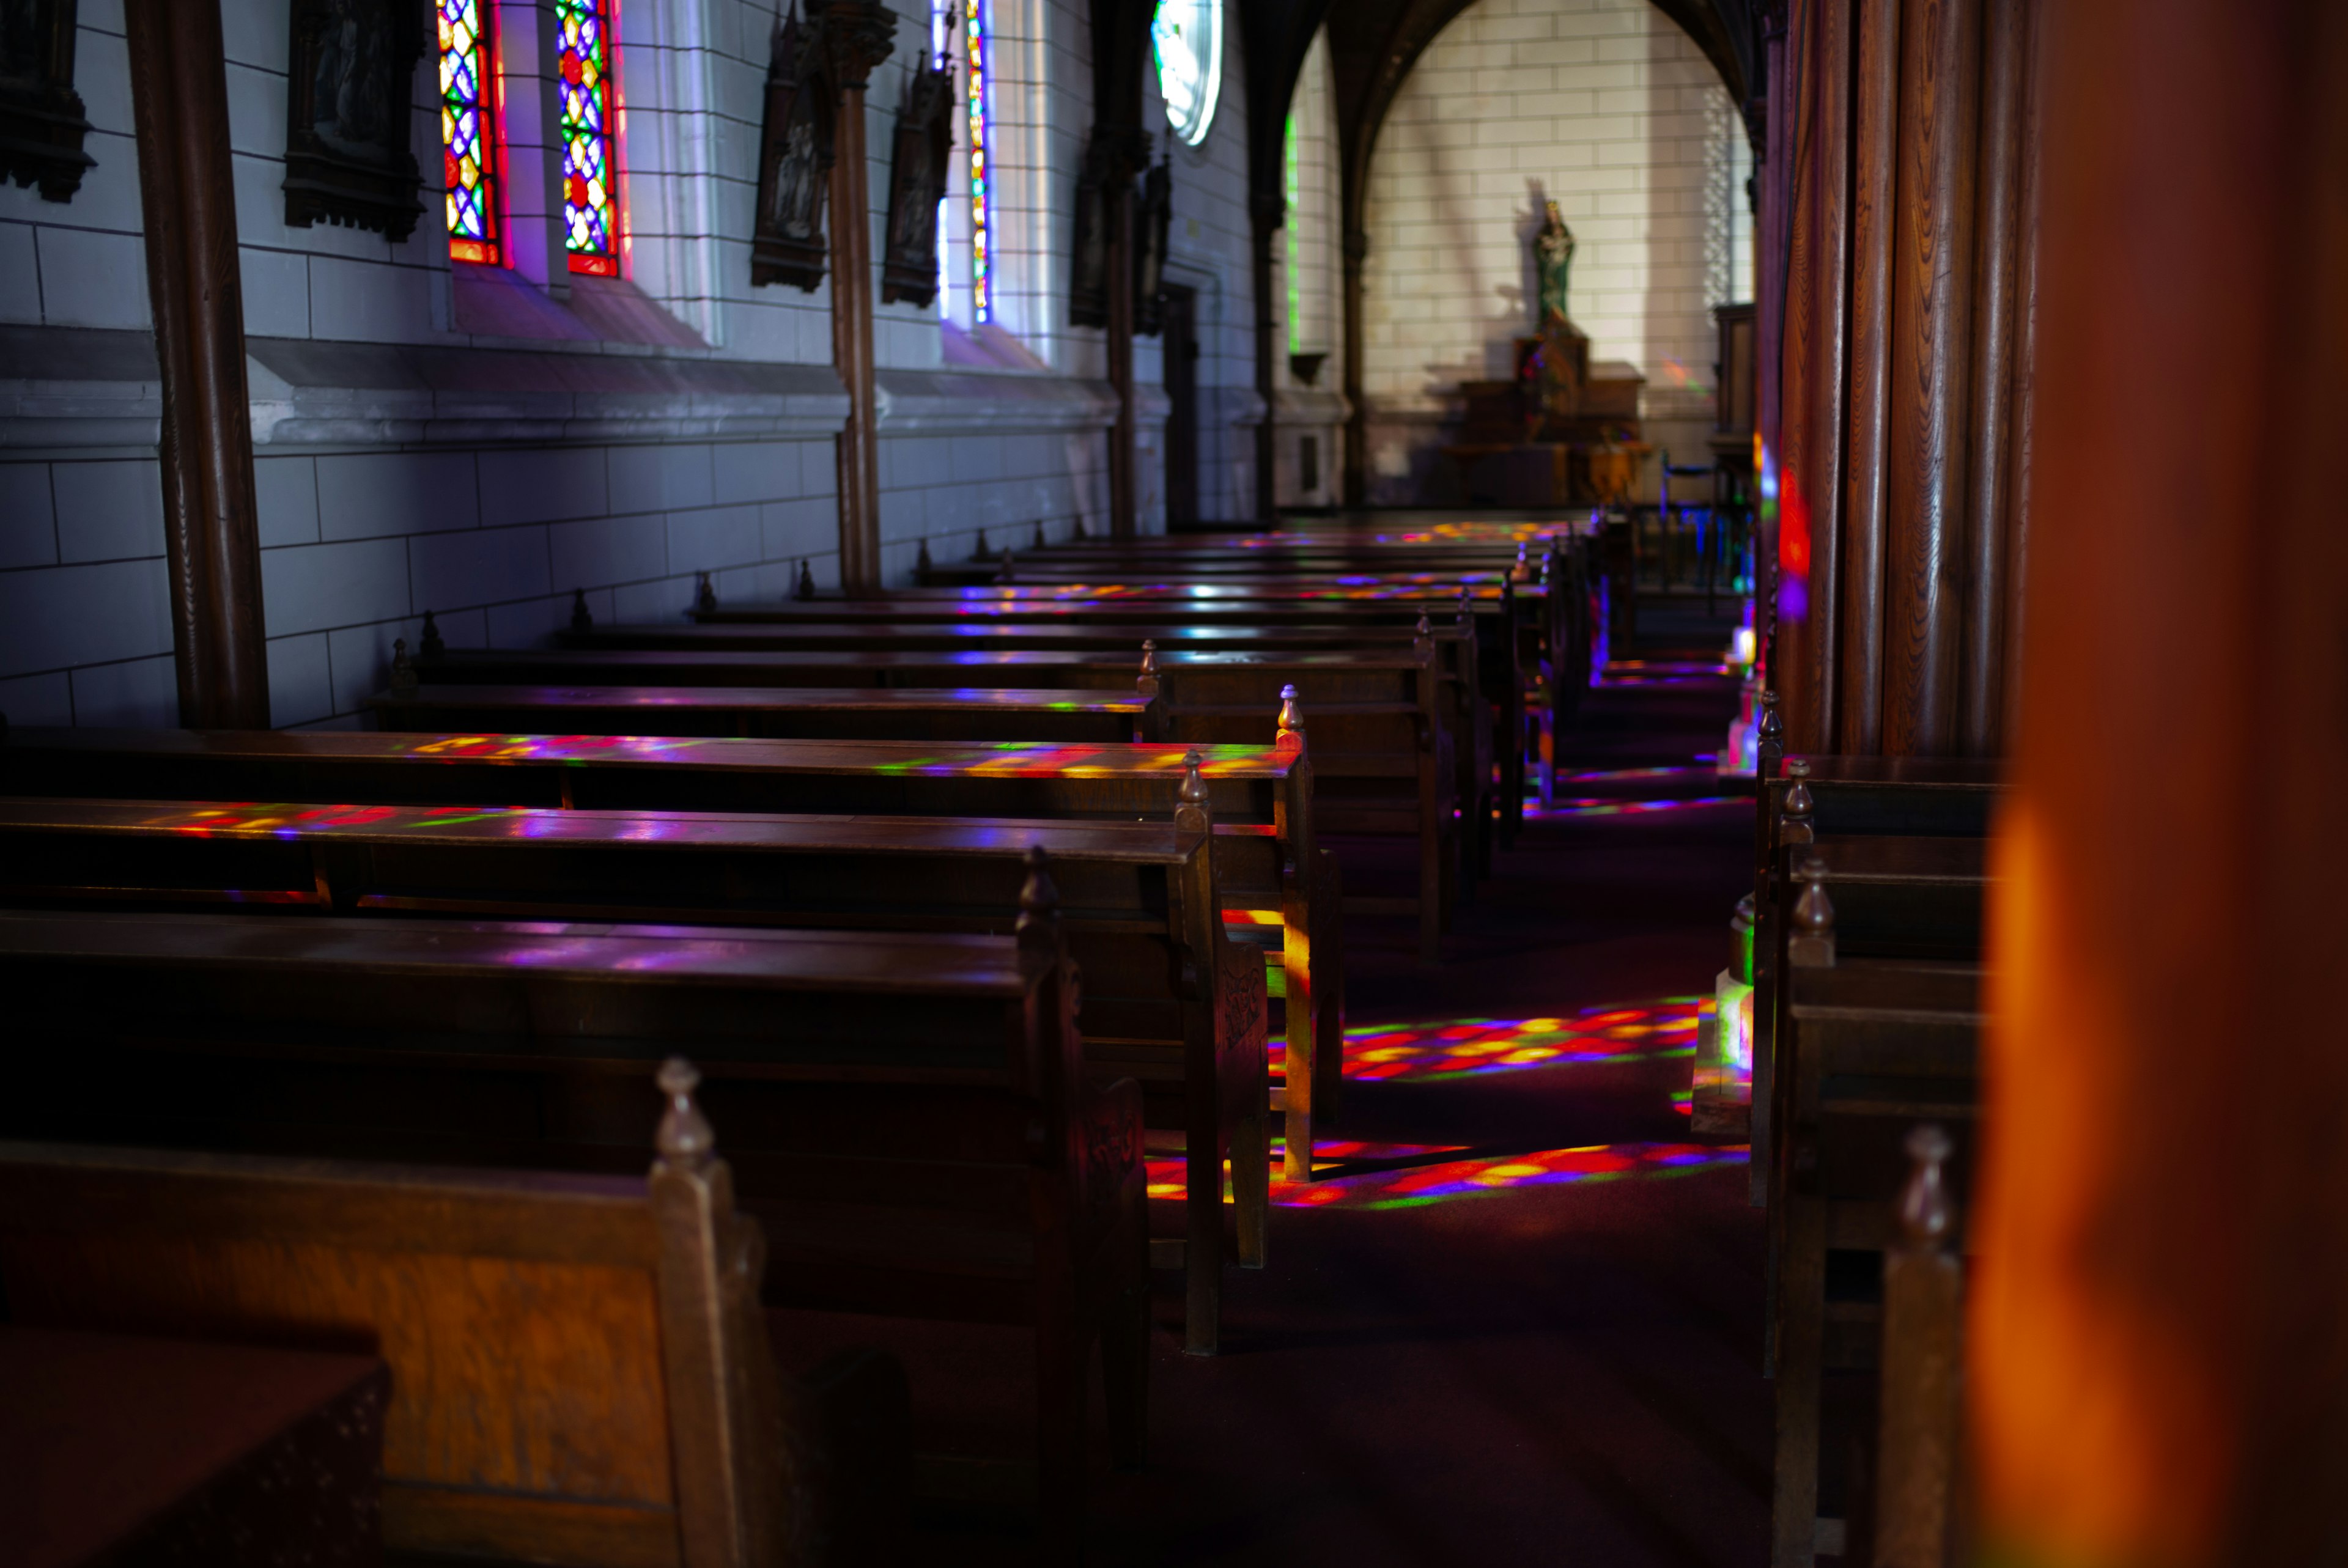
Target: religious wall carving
1153,222
1088,280
787,237
41,119
917,183
349,152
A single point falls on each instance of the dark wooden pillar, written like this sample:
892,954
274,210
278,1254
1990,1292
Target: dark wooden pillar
2158,1331
1123,445
1771,178
855,36
1900,516
1357,412
211,535
1813,373
1267,212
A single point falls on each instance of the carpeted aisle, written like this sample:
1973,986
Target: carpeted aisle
1522,1322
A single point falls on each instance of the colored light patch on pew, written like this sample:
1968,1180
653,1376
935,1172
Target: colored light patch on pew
1468,1048
286,820
1022,759
1624,775
551,748
1595,807
1457,1178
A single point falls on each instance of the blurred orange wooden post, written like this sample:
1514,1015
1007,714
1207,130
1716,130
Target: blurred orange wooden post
2160,1324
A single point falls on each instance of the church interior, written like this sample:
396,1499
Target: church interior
809,784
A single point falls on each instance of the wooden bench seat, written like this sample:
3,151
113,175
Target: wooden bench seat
1278,890
1471,713
907,1118
1874,1047
131,1448
1168,997
975,714
1384,745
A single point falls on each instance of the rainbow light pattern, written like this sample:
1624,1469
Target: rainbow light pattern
1418,1184
985,759
1661,672
467,135
1472,1046
978,42
587,91
1598,807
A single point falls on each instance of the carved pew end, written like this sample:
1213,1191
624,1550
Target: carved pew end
1812,945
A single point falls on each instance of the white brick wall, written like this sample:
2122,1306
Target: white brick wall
405,463
1604,107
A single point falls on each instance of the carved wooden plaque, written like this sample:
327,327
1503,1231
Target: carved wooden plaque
41,119
787,237
917,182
349,157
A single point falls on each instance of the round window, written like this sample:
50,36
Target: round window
1187,36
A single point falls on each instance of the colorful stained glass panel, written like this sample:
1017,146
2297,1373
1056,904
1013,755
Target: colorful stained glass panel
980,45
585,93
467,131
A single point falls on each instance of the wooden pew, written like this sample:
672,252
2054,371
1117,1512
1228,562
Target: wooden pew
907,1119
131,1449
1169,999
581,1370
1383,755
1468,707
972,714
1801,798
1868,1047
1509,659
1919,1506
1278,890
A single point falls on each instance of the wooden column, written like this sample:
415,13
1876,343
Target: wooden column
1867,480
2160,1321
1994,457
1771,179
1267,212
1357,412
1932,307
855,37
1124,447
1901,519
1813,386
188,195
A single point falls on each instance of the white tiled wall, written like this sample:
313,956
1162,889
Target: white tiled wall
490,503
1604,107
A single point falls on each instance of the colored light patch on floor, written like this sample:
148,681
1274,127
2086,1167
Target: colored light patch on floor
1468,1048
1452,1180
1332,1160
1597,807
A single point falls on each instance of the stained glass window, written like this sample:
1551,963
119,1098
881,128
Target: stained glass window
1187,35
467,132
587,92
981,45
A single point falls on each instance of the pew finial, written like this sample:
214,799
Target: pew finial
685,1140
431,647
982,552
1927,1213
922,563
1002,577
1812,945
1797,822
1194,783
403,668
1146,685
1039,533
804,589
1423,639
1080,534
1518,570
1291,720
1039,901
582,618
704,597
